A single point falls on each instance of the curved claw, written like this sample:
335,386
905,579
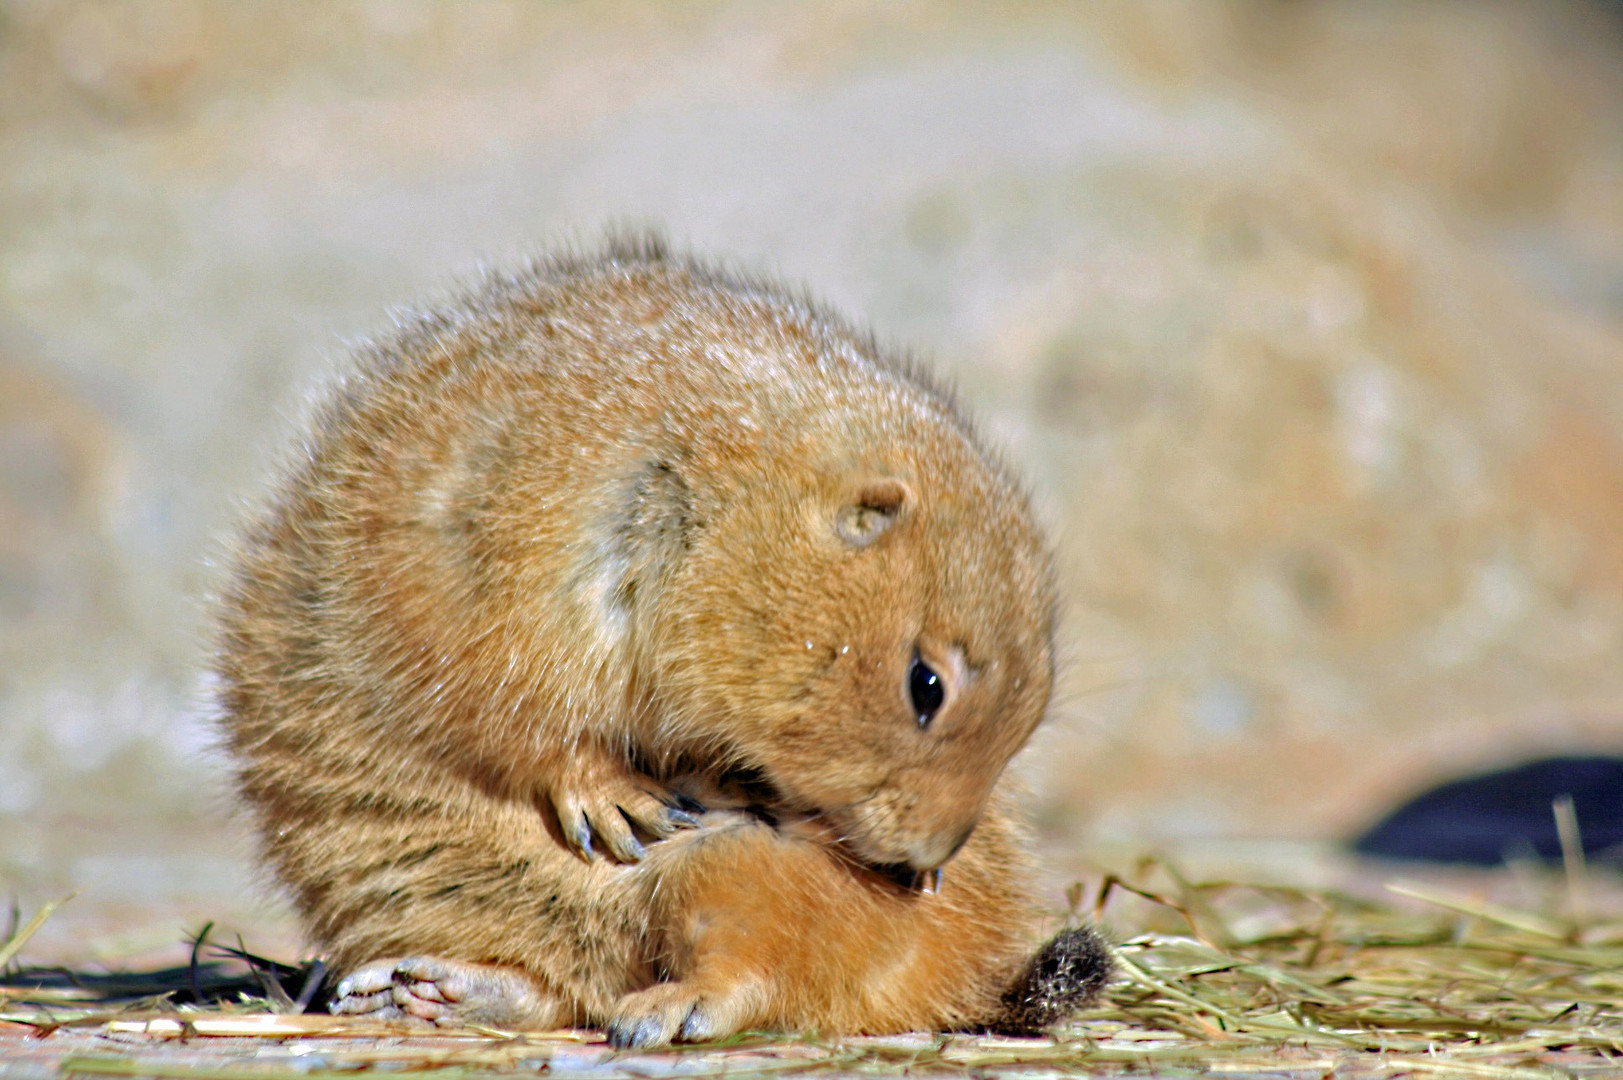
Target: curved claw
604,813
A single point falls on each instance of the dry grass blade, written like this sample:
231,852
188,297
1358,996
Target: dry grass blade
1139,975
1572,858
13,945
1481,909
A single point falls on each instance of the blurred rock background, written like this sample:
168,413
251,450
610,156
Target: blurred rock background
1304,318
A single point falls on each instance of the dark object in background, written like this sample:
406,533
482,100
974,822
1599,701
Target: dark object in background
232,976
1482,819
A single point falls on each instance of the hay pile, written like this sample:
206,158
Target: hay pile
1219,976
1428,980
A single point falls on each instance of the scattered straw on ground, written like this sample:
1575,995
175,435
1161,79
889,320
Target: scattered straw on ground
1219,977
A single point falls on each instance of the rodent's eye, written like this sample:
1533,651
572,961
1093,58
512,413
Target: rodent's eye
926,689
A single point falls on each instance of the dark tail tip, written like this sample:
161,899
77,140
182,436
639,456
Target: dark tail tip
1066,974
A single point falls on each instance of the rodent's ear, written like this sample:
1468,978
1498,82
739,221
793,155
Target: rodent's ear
874,509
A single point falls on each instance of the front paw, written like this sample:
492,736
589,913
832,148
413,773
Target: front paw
666,1012
607,804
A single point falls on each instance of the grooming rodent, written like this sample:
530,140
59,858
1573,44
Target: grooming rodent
632,643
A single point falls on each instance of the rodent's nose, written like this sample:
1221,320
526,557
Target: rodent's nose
935,851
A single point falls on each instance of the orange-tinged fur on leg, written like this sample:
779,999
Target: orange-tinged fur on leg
591,533
773,927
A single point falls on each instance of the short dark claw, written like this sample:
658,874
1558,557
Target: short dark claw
583,839
682,819
635,1035
697,1026
692,806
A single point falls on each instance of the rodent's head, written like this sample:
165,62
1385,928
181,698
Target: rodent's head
871,632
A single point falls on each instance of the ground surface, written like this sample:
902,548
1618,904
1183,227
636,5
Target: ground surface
1507,973
582,1054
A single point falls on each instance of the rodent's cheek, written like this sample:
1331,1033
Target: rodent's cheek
823,783
873,828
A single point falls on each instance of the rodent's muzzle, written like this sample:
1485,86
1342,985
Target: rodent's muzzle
935,851
918,829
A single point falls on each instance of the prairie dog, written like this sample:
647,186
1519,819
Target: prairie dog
564,567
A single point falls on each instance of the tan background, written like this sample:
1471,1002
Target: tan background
1304,319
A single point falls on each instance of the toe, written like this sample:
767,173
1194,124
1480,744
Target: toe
428,991
700,1025
362,1004
614,830
637,1033
390,1012
367,979
422,1008
573,824
424,969
646,811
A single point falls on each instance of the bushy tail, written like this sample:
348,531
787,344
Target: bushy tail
1065,975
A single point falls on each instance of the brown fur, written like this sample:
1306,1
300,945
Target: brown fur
612,526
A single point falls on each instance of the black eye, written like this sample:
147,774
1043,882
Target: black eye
926,689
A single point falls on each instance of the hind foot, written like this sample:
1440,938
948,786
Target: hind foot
686,1010
444,992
